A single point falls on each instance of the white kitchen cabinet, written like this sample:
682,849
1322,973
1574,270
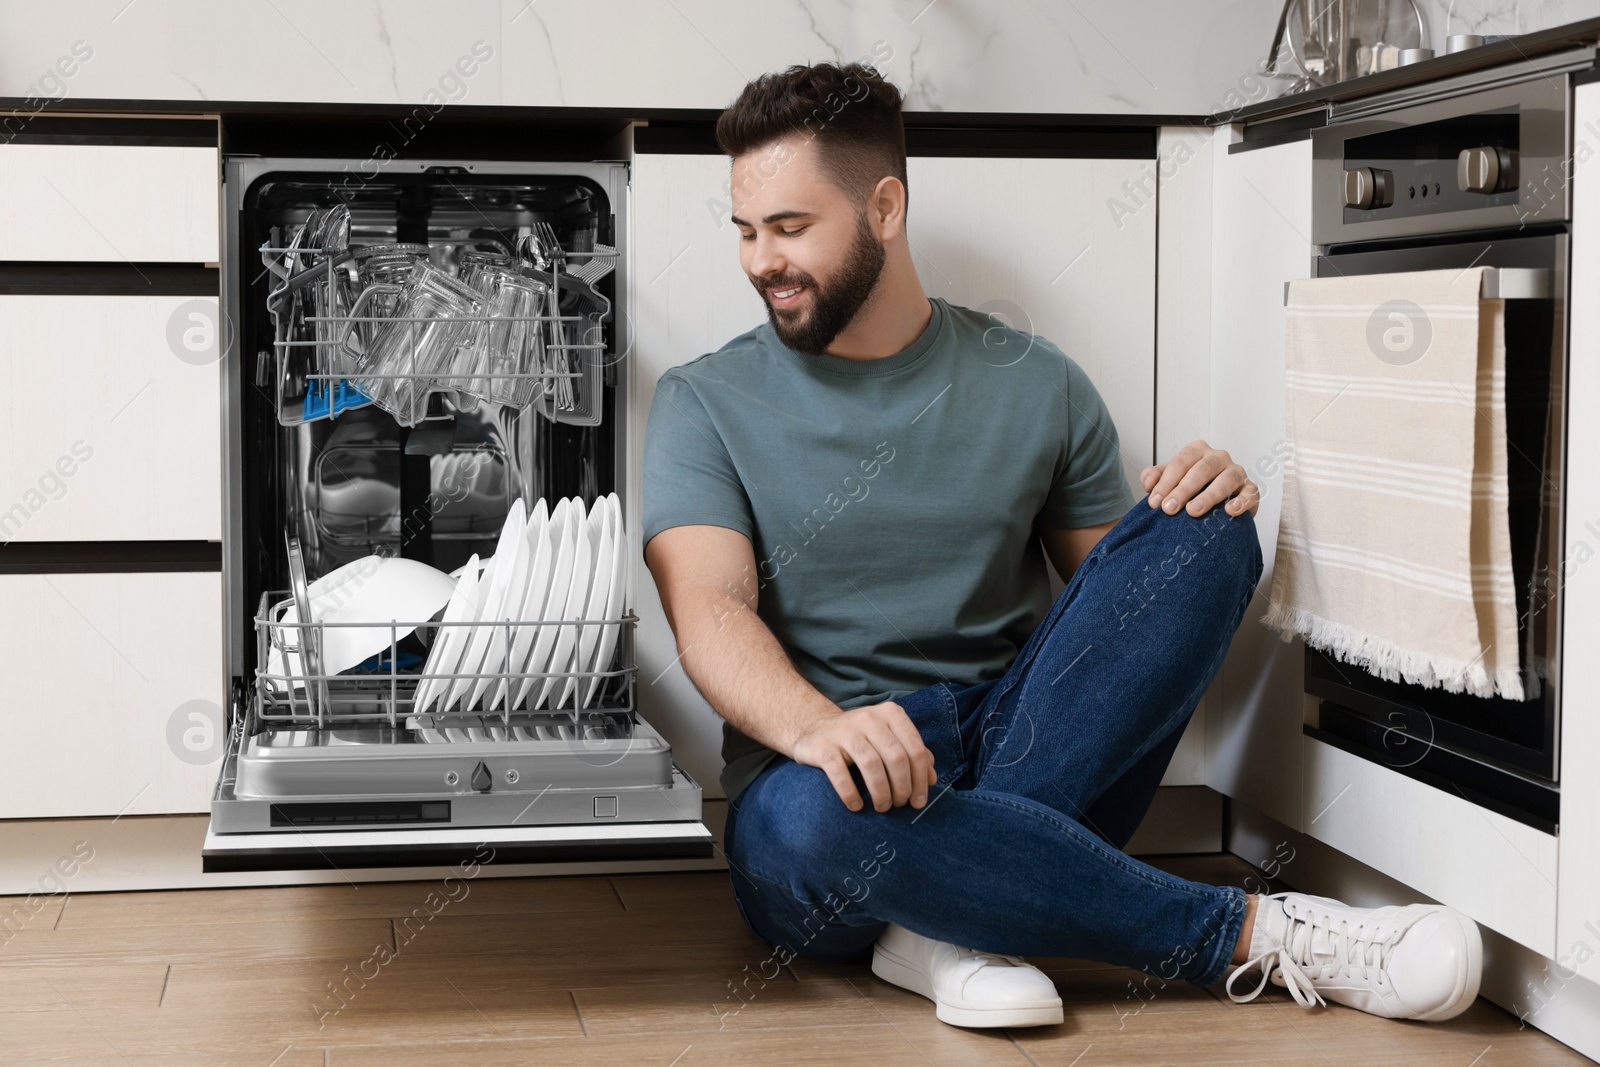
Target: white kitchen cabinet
689,297
1578,897
1183,353
109,203
113,693
1500,872
1261,237
111,428
1035,242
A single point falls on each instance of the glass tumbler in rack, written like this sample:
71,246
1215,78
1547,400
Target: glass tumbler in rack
511,340
409,352
382,269
460,372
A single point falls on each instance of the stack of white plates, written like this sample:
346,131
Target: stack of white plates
549,572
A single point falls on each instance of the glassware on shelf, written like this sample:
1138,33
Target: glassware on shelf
387,265
507,348
413,348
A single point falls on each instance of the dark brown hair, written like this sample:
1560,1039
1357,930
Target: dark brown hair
850,111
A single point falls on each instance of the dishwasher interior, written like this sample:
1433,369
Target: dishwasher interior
378,430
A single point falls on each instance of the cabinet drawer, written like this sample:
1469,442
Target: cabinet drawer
102,674
108,203
107,434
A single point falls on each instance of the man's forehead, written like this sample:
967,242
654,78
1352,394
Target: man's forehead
782,170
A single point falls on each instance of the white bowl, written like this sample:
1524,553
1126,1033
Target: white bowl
374,589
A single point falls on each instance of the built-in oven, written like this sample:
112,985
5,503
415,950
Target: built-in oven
428,569
1469,179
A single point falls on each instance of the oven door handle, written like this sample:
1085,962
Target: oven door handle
1501,283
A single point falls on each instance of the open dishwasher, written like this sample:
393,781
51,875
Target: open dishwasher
424,384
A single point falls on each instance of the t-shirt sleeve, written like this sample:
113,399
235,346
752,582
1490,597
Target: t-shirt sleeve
688,477
1090,485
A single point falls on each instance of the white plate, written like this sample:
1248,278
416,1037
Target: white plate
594,608
487,652
457,687
446,643
530,601
572,605
614,597
423,725
563,546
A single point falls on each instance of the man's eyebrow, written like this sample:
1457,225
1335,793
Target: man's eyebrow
777,216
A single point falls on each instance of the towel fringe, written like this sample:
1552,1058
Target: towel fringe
1389,661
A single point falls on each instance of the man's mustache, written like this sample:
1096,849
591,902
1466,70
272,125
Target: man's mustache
766,285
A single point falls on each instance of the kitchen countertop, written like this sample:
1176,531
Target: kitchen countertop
1526,46
498,131
253,125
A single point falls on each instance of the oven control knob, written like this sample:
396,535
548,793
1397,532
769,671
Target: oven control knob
1485,170
481,779
1368,187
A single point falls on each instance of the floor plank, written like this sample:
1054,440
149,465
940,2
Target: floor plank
881,1045
297,937
360,900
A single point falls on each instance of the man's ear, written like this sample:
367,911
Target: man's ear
886,208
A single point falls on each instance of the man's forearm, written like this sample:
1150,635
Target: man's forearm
743,672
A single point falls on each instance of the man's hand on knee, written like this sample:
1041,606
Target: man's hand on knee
883,743
1202,477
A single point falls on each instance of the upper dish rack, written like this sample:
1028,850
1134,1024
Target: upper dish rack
391,325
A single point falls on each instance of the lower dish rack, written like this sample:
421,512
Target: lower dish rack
339,770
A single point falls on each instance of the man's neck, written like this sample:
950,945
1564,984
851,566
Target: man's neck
892,318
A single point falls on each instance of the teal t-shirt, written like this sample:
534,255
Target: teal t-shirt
891,502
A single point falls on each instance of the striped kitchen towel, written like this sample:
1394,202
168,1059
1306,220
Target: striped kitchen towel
1394,545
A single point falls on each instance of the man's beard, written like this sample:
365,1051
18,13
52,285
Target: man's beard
832,306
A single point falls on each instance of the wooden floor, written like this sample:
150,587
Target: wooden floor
619,970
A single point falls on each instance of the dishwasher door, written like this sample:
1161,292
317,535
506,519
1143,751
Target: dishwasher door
339,770
370,796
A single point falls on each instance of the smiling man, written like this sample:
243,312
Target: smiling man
847,513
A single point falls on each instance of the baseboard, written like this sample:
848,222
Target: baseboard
1518,979
1182,818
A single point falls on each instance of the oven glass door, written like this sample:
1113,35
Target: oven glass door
1503,751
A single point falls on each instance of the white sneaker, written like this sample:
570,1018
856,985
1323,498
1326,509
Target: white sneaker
1417,961
968,987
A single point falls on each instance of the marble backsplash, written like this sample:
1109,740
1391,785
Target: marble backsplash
1085,56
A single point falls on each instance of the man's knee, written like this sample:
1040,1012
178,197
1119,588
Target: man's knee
1235,536
1222,550
797,820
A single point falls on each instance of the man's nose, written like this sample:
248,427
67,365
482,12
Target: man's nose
766,259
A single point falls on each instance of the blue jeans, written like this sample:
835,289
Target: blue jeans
1043,776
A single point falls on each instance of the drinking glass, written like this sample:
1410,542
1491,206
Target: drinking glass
510,339
412,349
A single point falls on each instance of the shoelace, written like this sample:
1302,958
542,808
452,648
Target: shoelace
991,957
1336,954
